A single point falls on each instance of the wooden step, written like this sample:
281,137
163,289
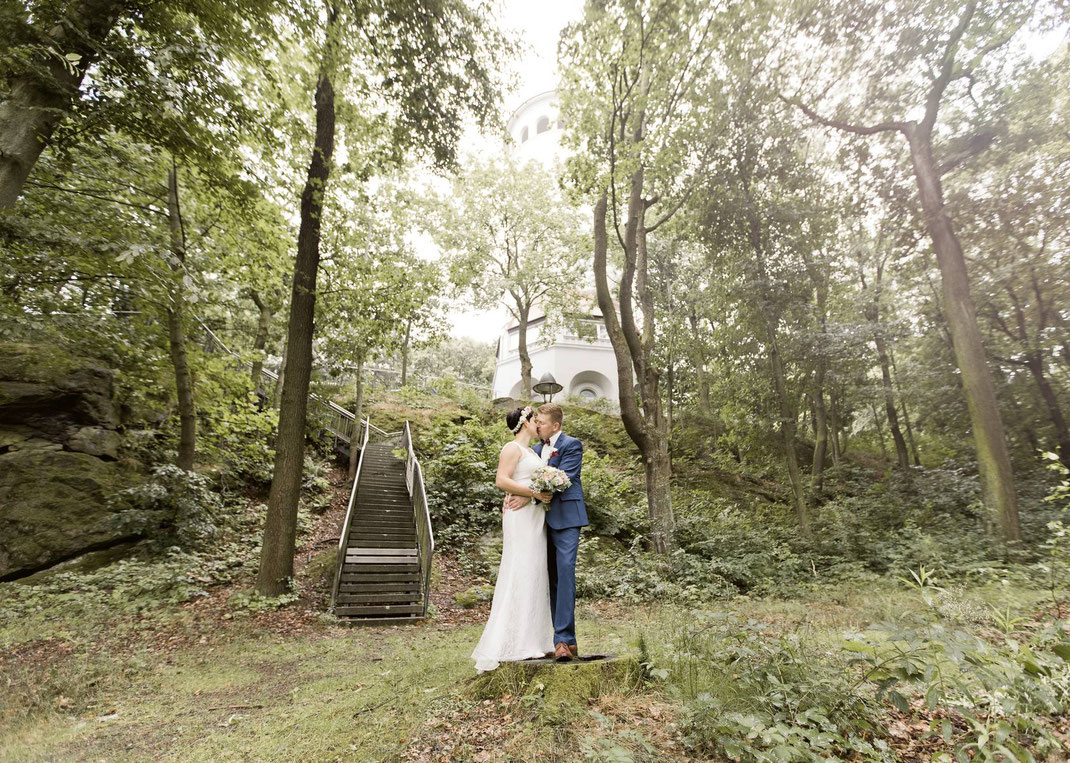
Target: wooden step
366,587
370,551
383,543
386,522
388,573
378,566
388,527
386,533
380,597
378,559
381,609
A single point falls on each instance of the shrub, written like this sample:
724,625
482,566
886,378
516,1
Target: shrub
753,696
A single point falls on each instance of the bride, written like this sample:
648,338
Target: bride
520,626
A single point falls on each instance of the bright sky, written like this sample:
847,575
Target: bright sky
539,24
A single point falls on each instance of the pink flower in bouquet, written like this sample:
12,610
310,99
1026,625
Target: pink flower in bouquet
549,479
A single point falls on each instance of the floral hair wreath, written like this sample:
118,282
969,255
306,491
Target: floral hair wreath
524,416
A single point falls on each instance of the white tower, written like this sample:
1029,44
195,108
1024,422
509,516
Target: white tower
581,360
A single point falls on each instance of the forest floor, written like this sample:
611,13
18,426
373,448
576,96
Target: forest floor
202,680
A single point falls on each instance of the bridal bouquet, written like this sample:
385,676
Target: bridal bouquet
549,479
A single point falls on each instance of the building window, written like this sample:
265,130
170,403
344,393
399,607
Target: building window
588,394
524,135
543,124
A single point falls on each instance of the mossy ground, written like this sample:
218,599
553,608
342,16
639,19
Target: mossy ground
242,689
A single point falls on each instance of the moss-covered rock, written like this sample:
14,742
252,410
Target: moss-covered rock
559,690
55,504
474,596
53,392
321,568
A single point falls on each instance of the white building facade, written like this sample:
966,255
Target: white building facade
580,358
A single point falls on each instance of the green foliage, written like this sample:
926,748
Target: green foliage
605,570
755,696
459,463
1003,690
189,498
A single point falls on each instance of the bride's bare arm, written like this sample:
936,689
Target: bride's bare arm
506,465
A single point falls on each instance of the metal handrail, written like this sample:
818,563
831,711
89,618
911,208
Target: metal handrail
344,539
414,481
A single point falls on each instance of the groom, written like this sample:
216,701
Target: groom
567,514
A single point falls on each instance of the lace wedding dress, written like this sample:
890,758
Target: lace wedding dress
520,625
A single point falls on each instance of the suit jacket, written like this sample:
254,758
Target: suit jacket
567,509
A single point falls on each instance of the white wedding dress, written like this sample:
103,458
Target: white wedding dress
520,625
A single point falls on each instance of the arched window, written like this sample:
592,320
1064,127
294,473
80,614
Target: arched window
524,135
588,394
543,124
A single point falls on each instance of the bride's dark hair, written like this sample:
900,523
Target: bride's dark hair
513,417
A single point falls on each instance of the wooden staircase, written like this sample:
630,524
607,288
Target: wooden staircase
385,550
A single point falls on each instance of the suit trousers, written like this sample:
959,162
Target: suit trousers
561,547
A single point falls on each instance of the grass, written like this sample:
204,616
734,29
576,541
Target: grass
337,693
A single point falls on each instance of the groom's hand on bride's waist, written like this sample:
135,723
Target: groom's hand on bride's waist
514,502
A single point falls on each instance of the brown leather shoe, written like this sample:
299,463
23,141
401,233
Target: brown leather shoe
574,649
561,652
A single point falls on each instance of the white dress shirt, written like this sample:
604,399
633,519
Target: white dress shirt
547,450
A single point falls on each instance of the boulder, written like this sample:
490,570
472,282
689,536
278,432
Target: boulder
96,441
56,504
52,392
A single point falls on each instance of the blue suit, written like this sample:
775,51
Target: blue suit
567,514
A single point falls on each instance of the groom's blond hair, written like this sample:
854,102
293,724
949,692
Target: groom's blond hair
553,412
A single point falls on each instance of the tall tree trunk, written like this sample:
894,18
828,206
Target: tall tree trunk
906,415
40,97
1035,363
821,430
834,424
993,457
769,319
523,308
701,377
646,428
276,395
901,456
176,332
358,413
280,529
260,341
405,354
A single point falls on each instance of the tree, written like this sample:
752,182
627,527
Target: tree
100,62
950,51
429,64
176,326
641,99
507,232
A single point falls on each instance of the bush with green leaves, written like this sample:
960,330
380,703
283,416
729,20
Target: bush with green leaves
1003,689
756,550
755,696
459,463
608,570
188,498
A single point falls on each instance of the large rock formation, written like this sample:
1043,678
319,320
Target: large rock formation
59,477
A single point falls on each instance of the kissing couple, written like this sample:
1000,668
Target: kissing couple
533,613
